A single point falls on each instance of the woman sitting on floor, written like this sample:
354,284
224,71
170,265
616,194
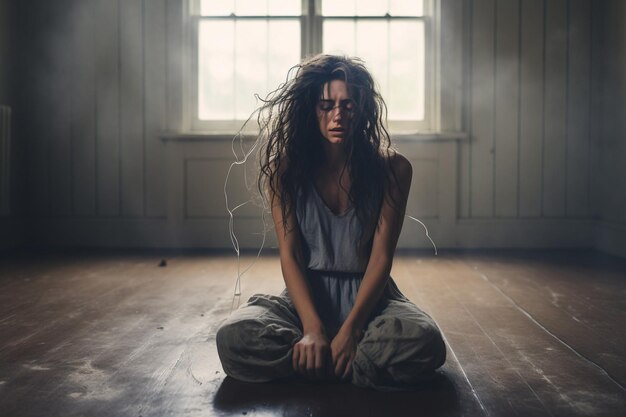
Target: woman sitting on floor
338,194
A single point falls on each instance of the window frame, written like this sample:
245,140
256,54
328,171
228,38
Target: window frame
311,38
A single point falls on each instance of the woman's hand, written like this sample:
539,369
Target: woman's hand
310,355
343,351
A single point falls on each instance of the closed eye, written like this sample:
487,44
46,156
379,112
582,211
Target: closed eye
328,105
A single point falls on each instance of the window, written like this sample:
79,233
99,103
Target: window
246,47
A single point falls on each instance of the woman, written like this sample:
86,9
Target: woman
338,195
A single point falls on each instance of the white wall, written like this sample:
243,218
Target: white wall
518,77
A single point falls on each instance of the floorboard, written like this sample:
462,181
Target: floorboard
112,333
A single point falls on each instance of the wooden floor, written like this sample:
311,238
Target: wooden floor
115,334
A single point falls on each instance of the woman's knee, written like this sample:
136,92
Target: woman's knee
233,337
432,348
398,353
254,337
254,351
400,339
233,340
224,340
437,347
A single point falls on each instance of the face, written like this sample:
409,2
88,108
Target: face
334,111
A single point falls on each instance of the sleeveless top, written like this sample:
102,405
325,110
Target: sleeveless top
335,264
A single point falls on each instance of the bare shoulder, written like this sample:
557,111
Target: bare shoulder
401,167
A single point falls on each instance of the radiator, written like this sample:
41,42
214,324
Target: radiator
5,160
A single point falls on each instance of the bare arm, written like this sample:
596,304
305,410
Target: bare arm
292,265
343,346
311,353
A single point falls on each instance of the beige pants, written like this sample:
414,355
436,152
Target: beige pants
401,346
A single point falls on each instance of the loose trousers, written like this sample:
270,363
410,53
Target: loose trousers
401,346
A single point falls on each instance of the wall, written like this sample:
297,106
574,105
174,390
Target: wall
529,112
517,76
6,40
98,82
529,115
610,181
94,89
11,231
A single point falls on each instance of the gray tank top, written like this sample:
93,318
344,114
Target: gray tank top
335,264
331,241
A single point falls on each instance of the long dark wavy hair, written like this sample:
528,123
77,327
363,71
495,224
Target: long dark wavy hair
291,150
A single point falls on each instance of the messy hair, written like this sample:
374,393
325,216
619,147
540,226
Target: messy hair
292,144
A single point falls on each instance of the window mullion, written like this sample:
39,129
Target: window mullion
318,27
235,69
311,27
304,28
267,54
192,85
389,89
432,64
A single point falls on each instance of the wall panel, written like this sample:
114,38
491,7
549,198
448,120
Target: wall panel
482,108
506,113
531,108
131,107
578,105
107,44
539,123
35,190
555,109
155,102
204,189
83,104
54,123
464,162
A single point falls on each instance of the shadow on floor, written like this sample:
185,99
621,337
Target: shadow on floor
290,398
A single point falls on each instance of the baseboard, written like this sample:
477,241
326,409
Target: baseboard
210,233
214,233
611,238
524,233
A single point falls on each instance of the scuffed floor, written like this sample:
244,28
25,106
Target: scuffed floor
115,334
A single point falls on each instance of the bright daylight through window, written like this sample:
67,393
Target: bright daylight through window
247,47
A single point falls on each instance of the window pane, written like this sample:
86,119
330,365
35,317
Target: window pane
285,7
372,45
240,58
284,51
339,7
250,64
339,37
372,7
216,80
406,65
251,7
406,7
217,7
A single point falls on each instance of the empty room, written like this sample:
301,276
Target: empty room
312,208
